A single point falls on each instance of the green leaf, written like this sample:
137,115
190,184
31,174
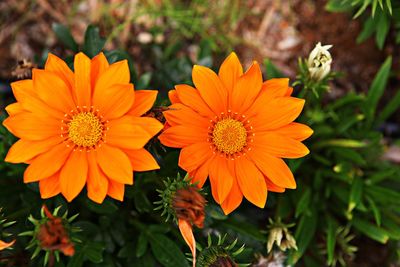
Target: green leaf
305,232
375,211
377,88
383,194
141,246
303,203
166,251
382,29
144,81
370,230
350,143
107,207
355,194
64,35
330,241
93,42
338,6
369,27
390,108
77,259
94,251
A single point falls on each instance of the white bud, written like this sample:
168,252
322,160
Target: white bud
319,62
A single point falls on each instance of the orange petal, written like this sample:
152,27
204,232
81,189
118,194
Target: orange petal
117,73
74,174
25,150
4,245
53,90
280,112
142,160
273,187
230,71
295,130
14,109
247,88
97,182
125,134
150,125
82,66
192,156
181,114
29,126
25,94
251,182
116,190
50,187
233,199
274,168
99,65
200,175
190,97
279,146
289,91
180,136
173,97
113,102
144,101
210,88
187,233
115,164
221,179
276,87
59,67
47,164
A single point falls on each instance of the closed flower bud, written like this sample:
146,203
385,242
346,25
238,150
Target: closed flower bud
281,236
189,205
319,62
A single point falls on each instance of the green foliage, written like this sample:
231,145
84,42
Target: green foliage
384,14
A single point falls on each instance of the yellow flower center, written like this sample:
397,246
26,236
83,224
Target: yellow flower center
85,129
229,136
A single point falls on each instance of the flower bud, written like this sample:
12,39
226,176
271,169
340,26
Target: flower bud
281,236
319,62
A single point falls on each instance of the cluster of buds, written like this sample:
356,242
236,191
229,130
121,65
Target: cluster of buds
52,233
319,62
185,203
280,235
3,234
219,255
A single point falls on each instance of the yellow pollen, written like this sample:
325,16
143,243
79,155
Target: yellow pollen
85,129
229,136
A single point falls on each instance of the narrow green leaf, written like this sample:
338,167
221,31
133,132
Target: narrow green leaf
355,194
330,241
375,211
141,246
382,29
369,27
303,202
390,108
370,230
377,88
304,234
64,35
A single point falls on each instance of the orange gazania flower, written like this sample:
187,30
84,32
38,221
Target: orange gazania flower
81,127
235,129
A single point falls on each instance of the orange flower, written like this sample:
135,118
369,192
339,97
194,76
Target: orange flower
81,127
236,129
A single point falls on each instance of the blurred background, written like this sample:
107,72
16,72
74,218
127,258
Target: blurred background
280,31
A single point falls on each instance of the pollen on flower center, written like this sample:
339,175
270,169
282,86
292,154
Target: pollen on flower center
85,129
229,136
